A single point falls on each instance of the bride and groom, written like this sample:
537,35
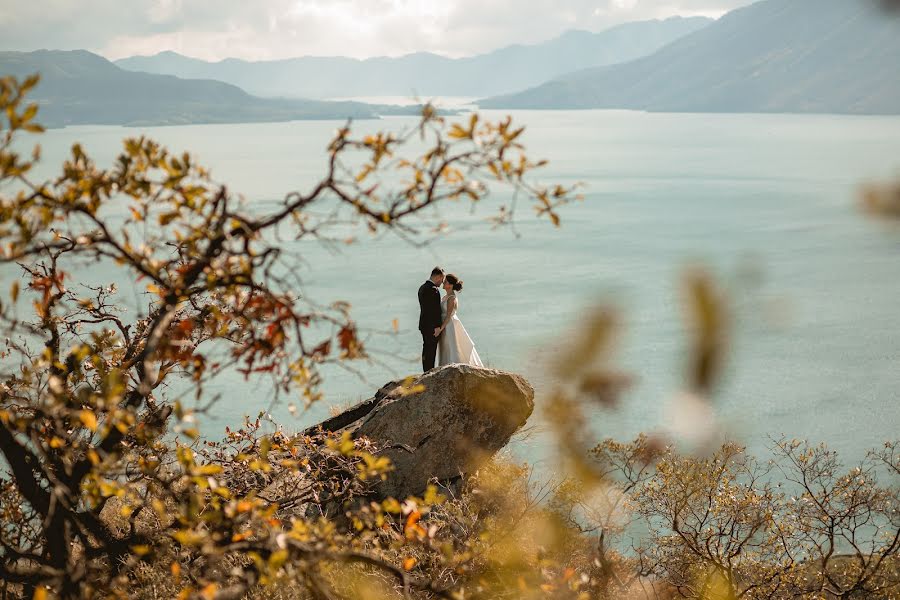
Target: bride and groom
443,334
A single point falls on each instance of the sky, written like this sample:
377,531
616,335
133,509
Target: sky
271,29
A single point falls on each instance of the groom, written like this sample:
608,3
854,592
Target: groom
430,317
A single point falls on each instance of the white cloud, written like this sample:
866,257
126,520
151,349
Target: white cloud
268,29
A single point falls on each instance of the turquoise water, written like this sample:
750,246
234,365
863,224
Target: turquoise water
766,202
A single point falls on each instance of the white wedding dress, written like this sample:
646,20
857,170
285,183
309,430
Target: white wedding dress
455,346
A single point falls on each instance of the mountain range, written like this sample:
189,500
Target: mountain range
78,87
792,56
798,56
423,74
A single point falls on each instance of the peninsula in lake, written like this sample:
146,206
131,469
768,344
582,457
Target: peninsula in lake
797,56
79,87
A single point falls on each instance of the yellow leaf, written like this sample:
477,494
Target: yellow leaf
409,391
209,470
209,592
457,132
29,113
277,560
88,419
391,505
40,593
187,537
109,489
30,82
409,563
345,446
167,218
141,549
363,173
396,325
432,496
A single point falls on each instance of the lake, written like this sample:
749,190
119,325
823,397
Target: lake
766,202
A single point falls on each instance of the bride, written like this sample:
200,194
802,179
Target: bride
454,346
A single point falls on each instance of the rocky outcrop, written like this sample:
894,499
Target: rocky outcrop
456,417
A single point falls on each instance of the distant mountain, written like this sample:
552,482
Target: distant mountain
78,87
505,70
824,56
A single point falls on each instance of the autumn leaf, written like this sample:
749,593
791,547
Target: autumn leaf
322,350
457,132
88,419
348,342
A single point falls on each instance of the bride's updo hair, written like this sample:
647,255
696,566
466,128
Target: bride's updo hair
455,281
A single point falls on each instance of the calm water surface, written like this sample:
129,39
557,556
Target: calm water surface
765,201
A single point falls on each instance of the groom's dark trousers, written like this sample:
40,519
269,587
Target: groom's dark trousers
429,350
429,320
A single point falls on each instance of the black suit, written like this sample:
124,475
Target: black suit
429,320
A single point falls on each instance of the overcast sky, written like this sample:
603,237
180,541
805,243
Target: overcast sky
266,29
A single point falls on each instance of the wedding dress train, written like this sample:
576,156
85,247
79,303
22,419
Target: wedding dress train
455,346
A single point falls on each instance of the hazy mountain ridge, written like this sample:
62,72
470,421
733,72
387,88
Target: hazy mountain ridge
78,87
826,56
504,70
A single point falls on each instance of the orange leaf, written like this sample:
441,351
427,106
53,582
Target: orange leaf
413,529
88,419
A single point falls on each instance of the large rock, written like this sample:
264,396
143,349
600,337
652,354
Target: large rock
462,417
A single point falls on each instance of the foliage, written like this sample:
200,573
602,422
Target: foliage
108,489
725,526
88,389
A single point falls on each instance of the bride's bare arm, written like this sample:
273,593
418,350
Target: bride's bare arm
451,308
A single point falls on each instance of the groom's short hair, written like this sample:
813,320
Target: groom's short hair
437,271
